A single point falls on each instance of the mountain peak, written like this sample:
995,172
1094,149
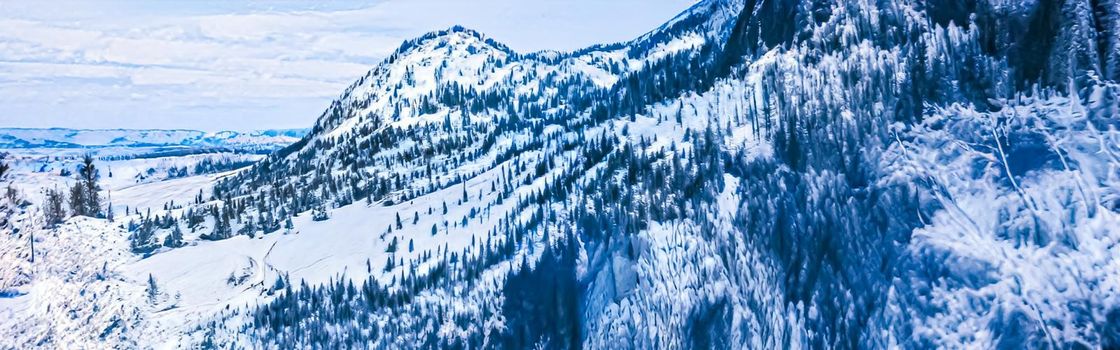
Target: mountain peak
411,73
454,36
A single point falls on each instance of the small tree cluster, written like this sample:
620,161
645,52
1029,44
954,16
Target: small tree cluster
84,197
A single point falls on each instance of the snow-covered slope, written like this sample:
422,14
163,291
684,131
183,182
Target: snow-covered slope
753,174
78,297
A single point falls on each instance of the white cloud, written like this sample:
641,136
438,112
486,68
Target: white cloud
126,63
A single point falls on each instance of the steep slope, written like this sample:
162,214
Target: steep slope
741,179
736,183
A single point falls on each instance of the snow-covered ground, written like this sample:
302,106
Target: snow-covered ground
783,206
207,278
79,285
72,294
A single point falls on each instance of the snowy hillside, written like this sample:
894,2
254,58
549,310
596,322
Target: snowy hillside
265,140
752,174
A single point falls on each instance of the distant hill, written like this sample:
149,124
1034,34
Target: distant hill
259,140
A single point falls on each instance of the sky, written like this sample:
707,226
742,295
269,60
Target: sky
247,65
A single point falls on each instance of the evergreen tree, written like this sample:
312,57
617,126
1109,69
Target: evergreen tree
392,248
142,239
175,238
87,180
153,289
389,264
53,211
222,228
77,200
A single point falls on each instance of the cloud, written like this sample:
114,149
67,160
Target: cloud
127,63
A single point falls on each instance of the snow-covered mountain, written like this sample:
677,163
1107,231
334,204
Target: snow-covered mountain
752,174
264,140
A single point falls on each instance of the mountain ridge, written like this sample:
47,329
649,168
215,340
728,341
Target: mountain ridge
814,39
803,83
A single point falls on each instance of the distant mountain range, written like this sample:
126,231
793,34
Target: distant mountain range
96,138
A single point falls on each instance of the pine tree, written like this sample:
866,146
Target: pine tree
175,238
222,228
389,264
77,200
53,211
87,174
392,248
142,240
153,289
